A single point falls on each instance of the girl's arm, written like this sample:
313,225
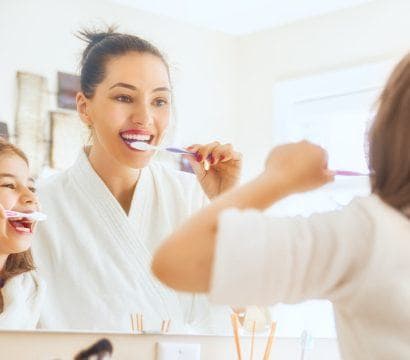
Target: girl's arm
184,262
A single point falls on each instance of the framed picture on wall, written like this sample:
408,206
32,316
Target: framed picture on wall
68,136
31,118
68,86
4,131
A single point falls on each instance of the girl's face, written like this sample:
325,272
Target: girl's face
132,103
16,193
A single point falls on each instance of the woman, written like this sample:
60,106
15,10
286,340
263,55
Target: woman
21,289
111,209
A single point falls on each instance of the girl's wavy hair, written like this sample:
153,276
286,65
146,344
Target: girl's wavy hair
389,140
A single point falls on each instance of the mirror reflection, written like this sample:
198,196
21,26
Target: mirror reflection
127,120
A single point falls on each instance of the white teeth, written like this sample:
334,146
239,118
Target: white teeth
23,229
138,137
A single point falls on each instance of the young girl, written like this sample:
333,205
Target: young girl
21,289
358,257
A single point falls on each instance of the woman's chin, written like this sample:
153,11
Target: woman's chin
132,158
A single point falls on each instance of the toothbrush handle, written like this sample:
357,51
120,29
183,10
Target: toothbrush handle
179,151
11,213
348,173
34,216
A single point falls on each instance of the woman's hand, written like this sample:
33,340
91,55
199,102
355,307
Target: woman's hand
217,167
299,166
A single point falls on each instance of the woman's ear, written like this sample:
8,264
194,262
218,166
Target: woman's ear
82,108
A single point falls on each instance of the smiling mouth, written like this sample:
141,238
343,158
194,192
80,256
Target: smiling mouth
22,225
130,138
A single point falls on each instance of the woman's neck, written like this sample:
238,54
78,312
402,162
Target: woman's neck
119,179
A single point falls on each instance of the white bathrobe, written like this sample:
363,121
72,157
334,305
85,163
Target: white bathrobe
22,300
96,259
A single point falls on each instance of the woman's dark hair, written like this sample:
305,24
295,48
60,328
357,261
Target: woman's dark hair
103,46
389,140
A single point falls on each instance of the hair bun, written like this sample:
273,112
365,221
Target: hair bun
93,37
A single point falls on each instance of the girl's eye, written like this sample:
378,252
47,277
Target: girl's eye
124,98
32,189
10,186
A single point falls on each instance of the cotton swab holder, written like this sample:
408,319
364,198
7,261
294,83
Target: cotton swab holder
235,326
137,323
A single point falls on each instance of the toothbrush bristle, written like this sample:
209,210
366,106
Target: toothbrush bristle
140,145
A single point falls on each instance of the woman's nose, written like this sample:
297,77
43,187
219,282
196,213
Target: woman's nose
142,115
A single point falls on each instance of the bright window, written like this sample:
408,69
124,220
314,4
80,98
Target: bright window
333,109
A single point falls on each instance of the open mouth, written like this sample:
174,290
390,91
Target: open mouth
22,225
130,137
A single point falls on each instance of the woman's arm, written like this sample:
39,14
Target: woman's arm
184,261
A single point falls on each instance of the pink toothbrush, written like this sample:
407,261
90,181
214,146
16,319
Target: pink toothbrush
143,146
36,216
348,173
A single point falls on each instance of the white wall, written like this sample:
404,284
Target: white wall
373,32
223,84
37,36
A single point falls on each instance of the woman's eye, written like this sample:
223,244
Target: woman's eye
10,186
160,102
124,98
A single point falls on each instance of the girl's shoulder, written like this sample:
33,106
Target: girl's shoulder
31,279
26,284
381,216
35,278
376,206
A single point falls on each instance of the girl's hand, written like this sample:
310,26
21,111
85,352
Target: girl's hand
300,166
224,167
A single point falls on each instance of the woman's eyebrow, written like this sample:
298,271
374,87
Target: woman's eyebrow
125,85
163,88
132,87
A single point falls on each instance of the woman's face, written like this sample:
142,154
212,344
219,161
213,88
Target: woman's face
17,193
132,103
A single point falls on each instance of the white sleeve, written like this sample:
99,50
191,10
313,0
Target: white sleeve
262,261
